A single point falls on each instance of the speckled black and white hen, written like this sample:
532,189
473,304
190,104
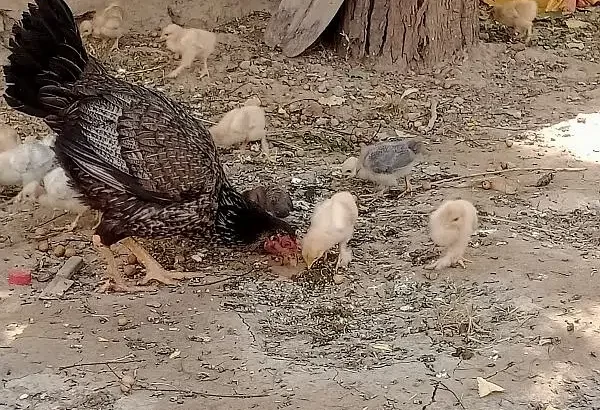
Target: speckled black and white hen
134,154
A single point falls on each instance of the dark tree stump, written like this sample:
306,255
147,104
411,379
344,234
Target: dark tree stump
407,33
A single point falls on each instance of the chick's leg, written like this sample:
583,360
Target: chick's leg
154,271
187,58
345,256
115,46
205,68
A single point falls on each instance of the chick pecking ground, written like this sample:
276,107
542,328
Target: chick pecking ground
378,334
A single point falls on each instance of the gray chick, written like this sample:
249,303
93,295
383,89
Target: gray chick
272,199
385,162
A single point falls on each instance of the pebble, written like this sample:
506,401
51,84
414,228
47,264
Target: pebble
338,279
334,122
40,231
43,246
59,251
338,91
244,65
132,259
508,143
321,121
122,321
322,88
69,252
129,270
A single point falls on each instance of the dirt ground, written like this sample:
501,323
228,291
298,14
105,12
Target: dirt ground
249,335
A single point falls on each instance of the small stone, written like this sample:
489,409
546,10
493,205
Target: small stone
418,124
40,232
129,270
300,152
122,321
322,88
43,246
244,65
426,185
59,251
313,109
132,259
338,279
334,122
254,69
508,143
70,251
570,327
23,396
338,91
321,121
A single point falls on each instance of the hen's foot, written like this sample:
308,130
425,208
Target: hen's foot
154,271
114,280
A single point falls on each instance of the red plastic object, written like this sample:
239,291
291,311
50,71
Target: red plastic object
21,277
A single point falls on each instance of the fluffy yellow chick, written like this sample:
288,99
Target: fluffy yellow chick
332,223
189,43
518,14
107,23
241,125
451,226
9,138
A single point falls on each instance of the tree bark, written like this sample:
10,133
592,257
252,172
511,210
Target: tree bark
407,33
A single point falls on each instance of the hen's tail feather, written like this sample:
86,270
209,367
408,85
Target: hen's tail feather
47,55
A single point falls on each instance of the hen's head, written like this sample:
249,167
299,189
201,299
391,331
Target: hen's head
285,246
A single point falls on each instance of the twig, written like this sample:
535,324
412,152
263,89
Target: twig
206,121
285,144
504,171
298,100
434,115
510,221
106,362
145,70
454,394
199,393
52,219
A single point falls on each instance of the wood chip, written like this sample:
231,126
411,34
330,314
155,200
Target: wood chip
62,282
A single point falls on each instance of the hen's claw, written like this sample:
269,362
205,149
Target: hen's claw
154,271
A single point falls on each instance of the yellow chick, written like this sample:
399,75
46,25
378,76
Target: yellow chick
518,14
241,125
451,226
189,43
332,223
107,23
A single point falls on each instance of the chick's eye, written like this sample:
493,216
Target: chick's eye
455,219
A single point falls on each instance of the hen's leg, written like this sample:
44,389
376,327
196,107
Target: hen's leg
114,280
154,271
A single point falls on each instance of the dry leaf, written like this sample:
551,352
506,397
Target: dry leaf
484,387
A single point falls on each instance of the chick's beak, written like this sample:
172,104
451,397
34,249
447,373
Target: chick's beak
309,260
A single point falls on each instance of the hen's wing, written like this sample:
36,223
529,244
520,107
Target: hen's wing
388,157
138,142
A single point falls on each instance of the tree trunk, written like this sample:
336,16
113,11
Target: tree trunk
407,33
